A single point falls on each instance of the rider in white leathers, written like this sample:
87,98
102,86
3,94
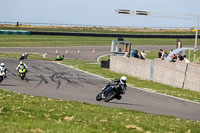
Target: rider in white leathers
3,68
22,66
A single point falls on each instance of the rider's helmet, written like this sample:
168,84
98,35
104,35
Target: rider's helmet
2,64
123,80
21,63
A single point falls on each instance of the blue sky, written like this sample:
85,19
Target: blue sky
101,12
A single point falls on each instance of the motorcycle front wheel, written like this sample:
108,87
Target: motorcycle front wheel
22,76
99,97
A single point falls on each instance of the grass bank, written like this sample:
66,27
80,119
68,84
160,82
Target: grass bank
24,113
55,41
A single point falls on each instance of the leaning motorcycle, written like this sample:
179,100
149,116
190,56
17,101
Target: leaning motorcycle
22,73
114,93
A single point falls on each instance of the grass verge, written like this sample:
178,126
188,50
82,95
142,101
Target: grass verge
30,56
55,41
24,113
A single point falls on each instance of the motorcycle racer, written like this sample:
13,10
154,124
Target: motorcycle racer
22,66
3,68
119,84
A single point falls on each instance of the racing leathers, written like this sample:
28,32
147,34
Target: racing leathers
22,66
4,69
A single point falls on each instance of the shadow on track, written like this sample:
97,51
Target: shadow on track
131,104
8,85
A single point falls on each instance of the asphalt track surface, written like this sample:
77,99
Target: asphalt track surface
57,81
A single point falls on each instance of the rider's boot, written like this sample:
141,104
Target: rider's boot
118,97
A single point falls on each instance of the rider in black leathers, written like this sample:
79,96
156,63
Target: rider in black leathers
119,84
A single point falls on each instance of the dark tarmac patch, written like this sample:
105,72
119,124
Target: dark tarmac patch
42,79
64,77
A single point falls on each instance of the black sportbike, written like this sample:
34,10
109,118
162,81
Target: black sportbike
115,92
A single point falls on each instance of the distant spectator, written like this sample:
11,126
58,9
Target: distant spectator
143,55
185,59
160,53
177,58
164,55
136,55
174,58
180,57
133,53
17,24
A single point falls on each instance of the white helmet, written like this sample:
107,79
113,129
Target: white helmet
2,64
123,80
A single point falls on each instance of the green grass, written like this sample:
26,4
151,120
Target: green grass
30,56
24,113
51,41
54,41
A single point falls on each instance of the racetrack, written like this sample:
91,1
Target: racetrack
58,81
